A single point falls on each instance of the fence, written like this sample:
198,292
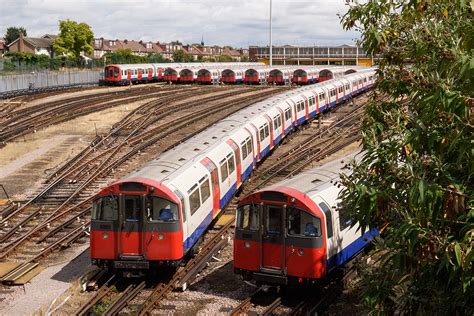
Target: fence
51,80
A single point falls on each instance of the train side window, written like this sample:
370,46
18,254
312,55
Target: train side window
327,212
275,122
244,150
344,219
303,224
159,209
262,134
249,147
231,163
247,217
267,131
105,209
205,189
224,171
194,201
321,97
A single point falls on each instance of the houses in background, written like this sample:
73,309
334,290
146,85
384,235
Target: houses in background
43,45
103,46
35,45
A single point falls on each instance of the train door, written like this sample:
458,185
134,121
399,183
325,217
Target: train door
216,193
129,74
272,139
140,71
306,107
238,161
258,156
272,237
131,225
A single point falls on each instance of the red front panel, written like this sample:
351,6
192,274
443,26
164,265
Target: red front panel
104,244
186,78
247,258
131,243
204,78
170,247
272,255
305,262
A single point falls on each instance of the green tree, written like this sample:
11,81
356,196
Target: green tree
73,39
181,56
417,172
13,33
224,58
125,56
156,58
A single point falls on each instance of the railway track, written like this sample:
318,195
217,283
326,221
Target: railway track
52,228
31,119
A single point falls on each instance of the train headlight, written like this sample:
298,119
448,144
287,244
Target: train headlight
246,244
105,235
161,237
301,252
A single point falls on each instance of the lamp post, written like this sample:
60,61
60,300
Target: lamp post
271,57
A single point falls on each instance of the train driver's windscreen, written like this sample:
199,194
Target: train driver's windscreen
302,224
247,217
105,208
162,210
116,72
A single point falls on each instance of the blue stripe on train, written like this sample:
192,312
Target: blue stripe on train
247,173
194,237
352,249
264,152
277,140
226,198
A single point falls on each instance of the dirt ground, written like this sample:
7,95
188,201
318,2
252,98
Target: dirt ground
25,162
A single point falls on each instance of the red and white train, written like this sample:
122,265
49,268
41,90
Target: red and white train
296,231
230,73
158,214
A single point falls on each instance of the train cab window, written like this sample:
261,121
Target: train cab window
231,163
224,170
247,217
194,200
303,224
327,211
132,207
205,189
181,199
162,210
105,208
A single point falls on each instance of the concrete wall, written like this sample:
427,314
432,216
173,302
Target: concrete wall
13,84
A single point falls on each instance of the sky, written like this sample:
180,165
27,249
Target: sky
238,23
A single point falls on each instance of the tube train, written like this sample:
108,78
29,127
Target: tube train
158,214
230,73
296,231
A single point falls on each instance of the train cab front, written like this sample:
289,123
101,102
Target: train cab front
279,238
112,75
136,227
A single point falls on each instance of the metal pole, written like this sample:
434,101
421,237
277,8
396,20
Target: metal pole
271,57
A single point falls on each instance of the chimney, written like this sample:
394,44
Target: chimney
21,43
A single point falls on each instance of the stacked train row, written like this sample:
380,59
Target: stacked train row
229,73
158,214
